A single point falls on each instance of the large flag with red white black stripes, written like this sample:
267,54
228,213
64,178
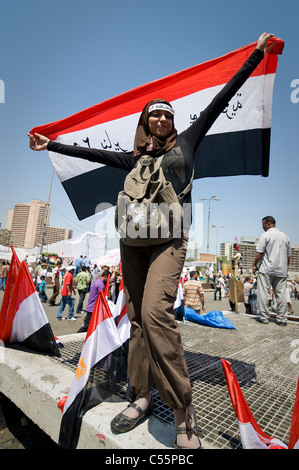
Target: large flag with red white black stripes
22,317
238,143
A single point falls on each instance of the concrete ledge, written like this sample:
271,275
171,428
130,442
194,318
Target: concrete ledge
35,383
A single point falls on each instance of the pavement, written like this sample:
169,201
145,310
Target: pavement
264,358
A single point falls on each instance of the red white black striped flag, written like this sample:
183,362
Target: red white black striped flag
121,316
238,143
252,437
11,281
22,317
85,392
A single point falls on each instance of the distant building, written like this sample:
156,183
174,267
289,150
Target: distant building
26,223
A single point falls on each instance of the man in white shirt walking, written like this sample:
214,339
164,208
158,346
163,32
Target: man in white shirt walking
273,254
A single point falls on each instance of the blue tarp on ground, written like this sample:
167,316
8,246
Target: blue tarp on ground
214,318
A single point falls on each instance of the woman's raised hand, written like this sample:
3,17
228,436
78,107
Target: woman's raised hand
262,42
38,142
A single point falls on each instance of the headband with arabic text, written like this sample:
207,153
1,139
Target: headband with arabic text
163,106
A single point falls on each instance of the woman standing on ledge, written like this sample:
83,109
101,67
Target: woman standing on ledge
151,273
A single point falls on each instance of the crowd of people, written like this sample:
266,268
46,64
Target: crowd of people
83,277
80,277
194,291
269,288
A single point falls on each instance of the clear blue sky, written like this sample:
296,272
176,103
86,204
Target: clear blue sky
59,57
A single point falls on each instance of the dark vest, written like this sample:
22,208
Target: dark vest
177,165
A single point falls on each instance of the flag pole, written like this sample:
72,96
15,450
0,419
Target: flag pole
235,271
46,215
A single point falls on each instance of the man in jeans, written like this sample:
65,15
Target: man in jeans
273,252
83,281
4,274
66,295
56,283
219,285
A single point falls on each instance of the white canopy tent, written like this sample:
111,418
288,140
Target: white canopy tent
111,258
22,253
92,245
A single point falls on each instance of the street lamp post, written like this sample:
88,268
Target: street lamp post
212,198
46,216
216,227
